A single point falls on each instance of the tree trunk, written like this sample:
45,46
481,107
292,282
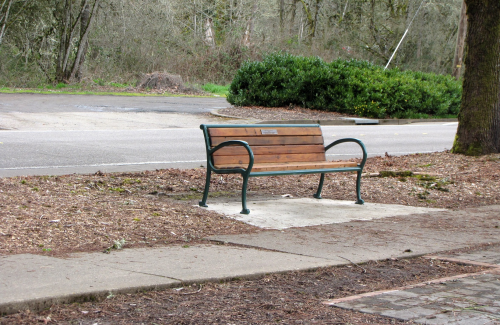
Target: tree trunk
479,118
84,43
311,19
282,15
247,36
316,16
70,59
209,33
85,22
294,13
459,49
65,37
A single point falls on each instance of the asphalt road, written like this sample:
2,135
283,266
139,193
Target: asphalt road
63,134
64,152
56,103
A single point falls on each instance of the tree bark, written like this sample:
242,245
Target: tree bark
479,118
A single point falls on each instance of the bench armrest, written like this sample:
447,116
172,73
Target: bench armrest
336,142
232,143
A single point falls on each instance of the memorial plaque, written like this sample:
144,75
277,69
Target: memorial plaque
269,131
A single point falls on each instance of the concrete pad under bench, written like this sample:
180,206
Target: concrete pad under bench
286,213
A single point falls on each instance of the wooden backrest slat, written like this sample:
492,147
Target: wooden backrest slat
270,150
264,131
259,159
272,141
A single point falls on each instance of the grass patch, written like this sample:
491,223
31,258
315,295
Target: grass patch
102,82
426,178
215,89
425,181
72,91
390,173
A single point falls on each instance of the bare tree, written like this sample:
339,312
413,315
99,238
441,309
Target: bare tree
74,18
5,10
4,17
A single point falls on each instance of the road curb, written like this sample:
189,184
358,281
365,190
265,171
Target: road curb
344,121
215,112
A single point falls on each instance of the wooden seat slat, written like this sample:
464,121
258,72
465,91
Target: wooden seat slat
269,140
263,167
264,131
285,158
270,150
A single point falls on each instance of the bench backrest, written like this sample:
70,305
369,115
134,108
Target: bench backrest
270,144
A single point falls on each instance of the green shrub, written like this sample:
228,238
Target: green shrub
352,87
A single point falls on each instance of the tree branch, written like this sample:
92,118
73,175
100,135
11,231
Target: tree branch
5,18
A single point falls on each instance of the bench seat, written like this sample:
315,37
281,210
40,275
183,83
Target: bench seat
293,166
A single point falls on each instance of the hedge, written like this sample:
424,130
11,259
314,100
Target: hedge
352,87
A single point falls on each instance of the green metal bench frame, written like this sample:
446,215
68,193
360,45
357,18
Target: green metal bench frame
246,173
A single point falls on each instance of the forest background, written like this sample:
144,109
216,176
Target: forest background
116,41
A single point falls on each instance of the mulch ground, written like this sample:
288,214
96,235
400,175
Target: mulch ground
280,113
56,215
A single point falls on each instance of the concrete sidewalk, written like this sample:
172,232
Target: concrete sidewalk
35,282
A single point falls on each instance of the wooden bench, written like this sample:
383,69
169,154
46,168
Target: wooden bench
270,150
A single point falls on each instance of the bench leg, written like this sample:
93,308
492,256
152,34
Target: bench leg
320,187
244,195
358,189
203,202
